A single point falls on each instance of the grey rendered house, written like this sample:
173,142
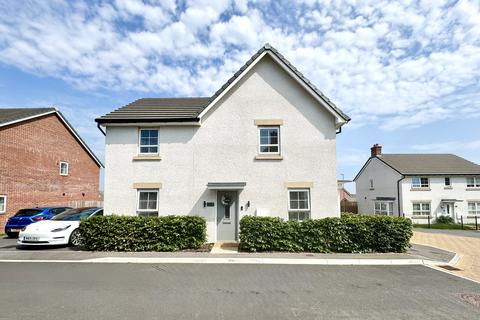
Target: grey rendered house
264,144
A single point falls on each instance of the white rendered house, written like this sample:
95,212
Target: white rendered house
264,144
418,186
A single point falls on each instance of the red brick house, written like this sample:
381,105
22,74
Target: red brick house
43,162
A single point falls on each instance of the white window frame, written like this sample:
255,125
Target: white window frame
138,200
150,145
387,212
419,184
4,197
372,186
293,210
476,211
268,145
60,168
449,182
422,212
476,182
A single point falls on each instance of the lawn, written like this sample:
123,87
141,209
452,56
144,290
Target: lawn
446,226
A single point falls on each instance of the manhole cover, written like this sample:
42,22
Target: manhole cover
471,298
449,267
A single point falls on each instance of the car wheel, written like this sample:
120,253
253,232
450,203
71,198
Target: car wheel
12,234
75,239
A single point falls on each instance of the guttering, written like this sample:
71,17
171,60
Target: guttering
101,130
398,194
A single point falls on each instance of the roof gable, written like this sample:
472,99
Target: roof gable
10,116
341,117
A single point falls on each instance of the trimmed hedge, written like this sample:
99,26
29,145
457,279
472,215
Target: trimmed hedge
126,233
349,233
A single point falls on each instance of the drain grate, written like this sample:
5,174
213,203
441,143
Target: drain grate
449,267
471,298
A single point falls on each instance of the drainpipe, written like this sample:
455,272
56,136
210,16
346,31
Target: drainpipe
338,131
398,195
101,130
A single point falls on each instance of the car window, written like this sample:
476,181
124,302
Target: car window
75,214
99,213
58,210
27,212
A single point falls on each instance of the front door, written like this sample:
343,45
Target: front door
226,215
448,209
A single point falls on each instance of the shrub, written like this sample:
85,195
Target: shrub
133,233
349,233
445,220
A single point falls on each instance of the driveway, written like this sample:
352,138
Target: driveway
216,291
465,243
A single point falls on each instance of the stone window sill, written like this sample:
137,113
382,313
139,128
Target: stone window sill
269,157
472,189
420,189
448,188
147,158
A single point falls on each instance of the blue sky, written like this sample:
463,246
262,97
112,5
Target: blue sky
407,72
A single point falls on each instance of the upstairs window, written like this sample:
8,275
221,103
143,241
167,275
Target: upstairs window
420,182
448,183
298,204
269,138
3,204
421,209
148,141
371,184
63,168
473,182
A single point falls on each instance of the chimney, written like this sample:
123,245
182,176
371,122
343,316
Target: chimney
376,150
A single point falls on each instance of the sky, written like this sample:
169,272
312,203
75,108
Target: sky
406,72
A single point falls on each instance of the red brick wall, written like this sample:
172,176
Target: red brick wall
30,153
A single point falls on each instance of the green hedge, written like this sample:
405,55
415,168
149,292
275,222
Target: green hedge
349,233
125,233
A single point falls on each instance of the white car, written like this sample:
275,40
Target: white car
61,229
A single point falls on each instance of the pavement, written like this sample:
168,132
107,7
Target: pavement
221,253
464,243
219,291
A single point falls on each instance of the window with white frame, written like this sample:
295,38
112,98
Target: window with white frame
269,140
63,168
474,208
371,184
384,208
147,200
3,204
420,182
448,183
473,182
421,209
148,141
298,204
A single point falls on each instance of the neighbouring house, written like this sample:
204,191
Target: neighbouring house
419,186
348,201
264,145
43,162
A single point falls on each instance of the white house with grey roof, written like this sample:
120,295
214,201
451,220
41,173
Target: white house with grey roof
264,145
418,186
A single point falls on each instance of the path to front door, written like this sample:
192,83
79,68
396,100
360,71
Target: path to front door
227,215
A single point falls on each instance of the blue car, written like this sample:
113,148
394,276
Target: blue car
24,217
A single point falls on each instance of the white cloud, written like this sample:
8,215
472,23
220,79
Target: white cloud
448,147
398,64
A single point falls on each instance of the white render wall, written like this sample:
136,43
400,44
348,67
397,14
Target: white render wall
223,149
436,193
384,185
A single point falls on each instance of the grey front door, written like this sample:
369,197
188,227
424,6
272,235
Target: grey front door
226,215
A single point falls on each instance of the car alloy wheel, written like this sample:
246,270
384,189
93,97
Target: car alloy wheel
75,238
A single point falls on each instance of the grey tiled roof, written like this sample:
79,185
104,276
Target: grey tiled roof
188,109
8,115
158,109
409,164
